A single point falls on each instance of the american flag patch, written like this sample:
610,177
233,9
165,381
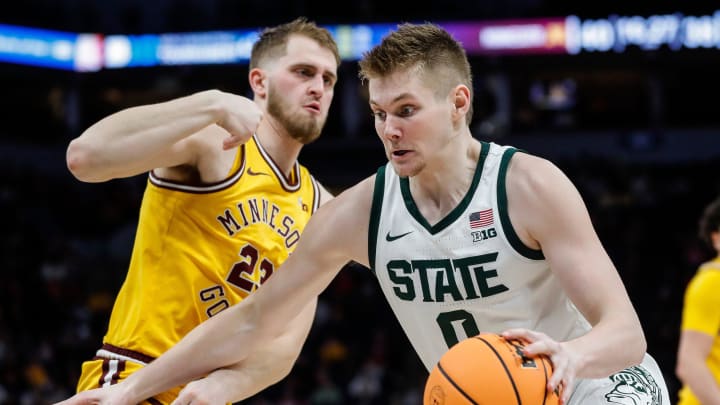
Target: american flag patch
481,219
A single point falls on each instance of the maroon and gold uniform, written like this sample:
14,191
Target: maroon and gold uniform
199,250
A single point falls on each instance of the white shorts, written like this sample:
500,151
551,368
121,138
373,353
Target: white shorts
641,385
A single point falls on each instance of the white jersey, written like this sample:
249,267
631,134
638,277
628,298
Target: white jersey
468,273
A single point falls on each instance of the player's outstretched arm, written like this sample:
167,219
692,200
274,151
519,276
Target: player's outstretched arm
265,366
692,369
700,319
547,209
335,235
138,139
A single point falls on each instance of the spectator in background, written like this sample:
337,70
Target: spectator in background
698,358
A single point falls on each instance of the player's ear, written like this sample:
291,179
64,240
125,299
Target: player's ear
715,238
461,100
258,81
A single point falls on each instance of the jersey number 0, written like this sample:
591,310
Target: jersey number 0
448,320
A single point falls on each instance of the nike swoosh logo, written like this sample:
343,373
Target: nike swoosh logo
252,173
391,238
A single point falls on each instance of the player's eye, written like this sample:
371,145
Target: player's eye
406,111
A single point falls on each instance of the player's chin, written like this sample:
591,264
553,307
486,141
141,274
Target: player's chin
403,169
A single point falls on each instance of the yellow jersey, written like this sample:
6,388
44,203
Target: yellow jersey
701,313
200,249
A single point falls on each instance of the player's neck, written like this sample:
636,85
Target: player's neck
281,147
440,187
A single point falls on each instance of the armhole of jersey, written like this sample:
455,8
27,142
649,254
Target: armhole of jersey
502,203
235,173
317,195
375,211
239,162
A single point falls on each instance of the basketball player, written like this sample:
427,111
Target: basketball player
225,204
463,236
698,361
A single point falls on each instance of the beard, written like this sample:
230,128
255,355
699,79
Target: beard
301,127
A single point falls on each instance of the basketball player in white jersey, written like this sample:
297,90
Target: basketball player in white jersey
463,236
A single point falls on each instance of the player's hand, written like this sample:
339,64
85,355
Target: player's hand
204,391
565,362
241,119
112,395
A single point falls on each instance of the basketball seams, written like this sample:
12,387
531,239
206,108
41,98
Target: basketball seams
507,371
454,384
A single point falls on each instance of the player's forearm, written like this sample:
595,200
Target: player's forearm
269,363
222,340
695,374
705,388
610,346
117,144
245,379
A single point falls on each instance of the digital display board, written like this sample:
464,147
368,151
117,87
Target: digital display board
554,35
52,49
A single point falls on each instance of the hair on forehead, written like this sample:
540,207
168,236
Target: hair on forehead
425,50
418,46
273,41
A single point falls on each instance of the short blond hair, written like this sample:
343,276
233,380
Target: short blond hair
425,48
273,41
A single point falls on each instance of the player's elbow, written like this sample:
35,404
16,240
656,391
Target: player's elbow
639,348
681,369
632,341
285,364
81,161
639,355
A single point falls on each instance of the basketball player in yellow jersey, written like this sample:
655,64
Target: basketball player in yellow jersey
225,203
698,361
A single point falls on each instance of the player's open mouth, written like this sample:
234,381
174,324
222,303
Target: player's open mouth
314,107
400,152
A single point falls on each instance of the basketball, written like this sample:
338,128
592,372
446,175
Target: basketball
489,370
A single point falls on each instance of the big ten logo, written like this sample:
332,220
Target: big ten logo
215,298
484,234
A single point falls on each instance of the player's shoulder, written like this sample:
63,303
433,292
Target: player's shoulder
527,163
706,280
354,200
529,174
362,190
209,155
709,271
209,137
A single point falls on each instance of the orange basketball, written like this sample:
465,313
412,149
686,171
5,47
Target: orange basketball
489,370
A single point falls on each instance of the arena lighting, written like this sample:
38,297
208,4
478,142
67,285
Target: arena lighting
221,47
555,35
617,33
558,35
52,49
529,36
